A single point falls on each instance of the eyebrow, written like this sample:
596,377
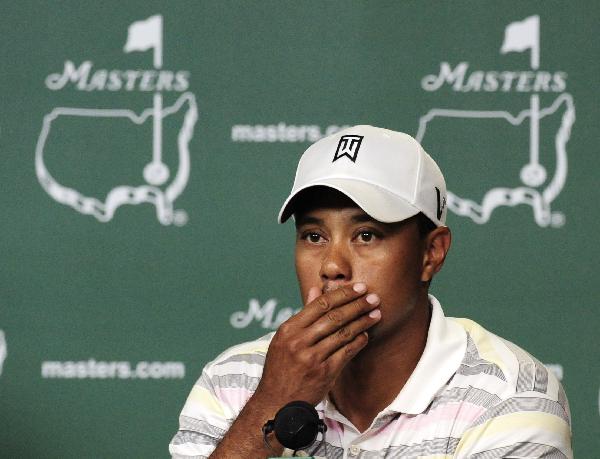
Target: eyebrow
309,220
363,218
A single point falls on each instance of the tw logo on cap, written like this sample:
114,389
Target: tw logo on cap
348,146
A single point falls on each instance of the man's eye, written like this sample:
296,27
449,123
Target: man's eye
366,236
313,237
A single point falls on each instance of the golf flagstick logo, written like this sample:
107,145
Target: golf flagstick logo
538,187
519,37
142,36
3,350
162,186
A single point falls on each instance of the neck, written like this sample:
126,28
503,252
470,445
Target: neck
365,388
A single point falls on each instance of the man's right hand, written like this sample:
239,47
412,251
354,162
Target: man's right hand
310,349
305,357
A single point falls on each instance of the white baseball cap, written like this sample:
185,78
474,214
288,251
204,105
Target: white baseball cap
386,173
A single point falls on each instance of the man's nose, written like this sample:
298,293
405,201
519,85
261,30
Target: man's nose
336,265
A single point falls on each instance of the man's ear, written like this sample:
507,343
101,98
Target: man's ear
437,244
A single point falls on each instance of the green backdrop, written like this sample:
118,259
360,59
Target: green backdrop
118,285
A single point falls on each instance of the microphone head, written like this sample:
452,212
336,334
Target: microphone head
296,425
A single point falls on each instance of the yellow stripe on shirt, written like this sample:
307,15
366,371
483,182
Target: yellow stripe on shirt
544,428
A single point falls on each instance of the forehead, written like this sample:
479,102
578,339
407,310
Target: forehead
318,202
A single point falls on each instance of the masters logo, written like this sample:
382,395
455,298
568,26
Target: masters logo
160,186
534,184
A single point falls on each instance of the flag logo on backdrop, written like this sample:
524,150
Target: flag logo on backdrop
543,171
155,179
3,350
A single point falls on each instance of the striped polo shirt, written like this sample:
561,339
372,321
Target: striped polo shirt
472,395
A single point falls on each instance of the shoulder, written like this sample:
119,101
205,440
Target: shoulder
217,397
522,405
228,381
508,369
248,357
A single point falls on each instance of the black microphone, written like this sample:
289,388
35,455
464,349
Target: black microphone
296,425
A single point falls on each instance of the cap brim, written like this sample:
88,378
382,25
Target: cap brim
375,201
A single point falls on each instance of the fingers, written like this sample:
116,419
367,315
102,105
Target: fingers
344,321
313,293
345,335
310,349
344,354
321,304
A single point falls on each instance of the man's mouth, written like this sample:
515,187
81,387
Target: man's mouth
334,286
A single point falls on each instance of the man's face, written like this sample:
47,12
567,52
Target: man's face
337,243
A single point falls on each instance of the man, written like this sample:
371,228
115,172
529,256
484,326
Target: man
389,374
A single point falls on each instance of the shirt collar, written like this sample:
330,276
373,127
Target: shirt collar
443,354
